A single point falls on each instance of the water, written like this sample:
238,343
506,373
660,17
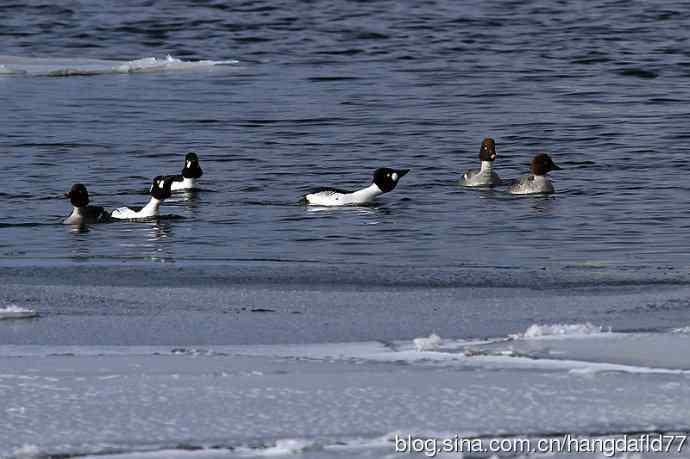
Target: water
325,93
219,324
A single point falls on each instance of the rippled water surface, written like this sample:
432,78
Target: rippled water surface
323,93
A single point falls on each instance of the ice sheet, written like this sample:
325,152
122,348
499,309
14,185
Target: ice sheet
258,400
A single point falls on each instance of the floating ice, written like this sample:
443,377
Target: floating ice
543,330
152,64
13,65
432,343
15,312
4,70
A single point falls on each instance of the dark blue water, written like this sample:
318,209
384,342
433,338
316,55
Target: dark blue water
327,91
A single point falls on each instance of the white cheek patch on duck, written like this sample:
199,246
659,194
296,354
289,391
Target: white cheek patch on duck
189,164
160,184
395,176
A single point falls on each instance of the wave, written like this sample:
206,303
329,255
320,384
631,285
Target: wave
60,67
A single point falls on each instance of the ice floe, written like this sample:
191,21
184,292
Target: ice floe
17,312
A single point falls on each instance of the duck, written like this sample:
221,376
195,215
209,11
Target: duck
384,180
537,182
191,173
485,176
82,212
160,191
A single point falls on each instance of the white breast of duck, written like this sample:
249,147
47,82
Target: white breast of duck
184,184
482,177
191,173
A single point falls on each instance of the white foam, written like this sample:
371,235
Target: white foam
15,312
554,330
432,343
682,330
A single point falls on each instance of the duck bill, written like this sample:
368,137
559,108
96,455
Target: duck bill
67,195
402,173
556,168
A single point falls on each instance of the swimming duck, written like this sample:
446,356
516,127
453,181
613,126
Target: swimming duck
485,176
160,190
191,173
537,182
384,181
83,213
